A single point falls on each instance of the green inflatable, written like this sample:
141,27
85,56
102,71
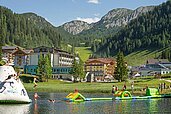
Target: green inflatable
152,91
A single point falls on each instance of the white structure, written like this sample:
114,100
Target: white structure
15,109
58,57
11,88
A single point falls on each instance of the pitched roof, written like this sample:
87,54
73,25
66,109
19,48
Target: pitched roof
23,51
153,61
9,47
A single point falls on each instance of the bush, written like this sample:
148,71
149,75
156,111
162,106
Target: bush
27,79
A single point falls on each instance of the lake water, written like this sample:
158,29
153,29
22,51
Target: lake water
42,106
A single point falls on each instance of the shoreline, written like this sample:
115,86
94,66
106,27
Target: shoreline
56,86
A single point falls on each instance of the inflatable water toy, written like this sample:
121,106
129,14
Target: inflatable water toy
119,95
150,93
77,97
11,88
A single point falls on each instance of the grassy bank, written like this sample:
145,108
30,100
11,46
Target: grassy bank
60,86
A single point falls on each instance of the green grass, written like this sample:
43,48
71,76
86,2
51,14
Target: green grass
133,59
84,52
140,57
60,86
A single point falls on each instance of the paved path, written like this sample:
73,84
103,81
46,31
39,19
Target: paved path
166,80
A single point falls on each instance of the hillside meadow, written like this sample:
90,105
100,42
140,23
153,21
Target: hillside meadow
84,52
133,59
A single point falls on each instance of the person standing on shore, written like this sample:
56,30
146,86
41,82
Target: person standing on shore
124,86
35,83
132,87
113,89
161,87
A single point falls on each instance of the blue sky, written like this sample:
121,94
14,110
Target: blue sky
58,12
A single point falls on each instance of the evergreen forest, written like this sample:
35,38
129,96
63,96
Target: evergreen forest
28,32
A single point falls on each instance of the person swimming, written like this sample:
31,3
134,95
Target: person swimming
51,100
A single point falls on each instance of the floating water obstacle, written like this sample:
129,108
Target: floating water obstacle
11,88
119,95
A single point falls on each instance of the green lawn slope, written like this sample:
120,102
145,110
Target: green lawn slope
140,57
134,59
84,52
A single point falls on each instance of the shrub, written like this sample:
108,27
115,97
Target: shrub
27,79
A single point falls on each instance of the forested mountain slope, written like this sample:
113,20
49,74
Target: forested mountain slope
109,24
28,30
151,30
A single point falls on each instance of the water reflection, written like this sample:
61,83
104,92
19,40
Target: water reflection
35,108
43,106
14,109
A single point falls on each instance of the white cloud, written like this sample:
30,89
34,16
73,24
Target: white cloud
97,14
93,1
88,20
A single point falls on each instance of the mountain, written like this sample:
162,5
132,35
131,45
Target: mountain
113,19
108,26
39,21
122,16
148,31
42,23
76,26
29,30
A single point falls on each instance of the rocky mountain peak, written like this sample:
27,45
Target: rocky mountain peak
76,26
113,19
122,16
140,11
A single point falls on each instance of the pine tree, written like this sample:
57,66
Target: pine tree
48,67
40,69
73,48
94,47
81,69
0,51
121,72
75,70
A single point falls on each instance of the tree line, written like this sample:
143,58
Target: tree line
166,54
21,30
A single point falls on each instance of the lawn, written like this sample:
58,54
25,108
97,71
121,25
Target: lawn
133,59
84,52
95,87
140,57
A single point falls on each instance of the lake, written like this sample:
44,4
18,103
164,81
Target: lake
42,106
